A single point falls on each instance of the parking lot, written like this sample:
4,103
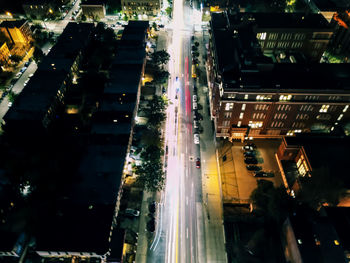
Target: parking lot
237,181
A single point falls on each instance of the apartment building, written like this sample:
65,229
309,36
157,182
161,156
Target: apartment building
141,8
36,105
18,31
4,53
87,227
257,95
308,33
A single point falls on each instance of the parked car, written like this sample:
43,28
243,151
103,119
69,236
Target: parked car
27,63
132,212
9,104
247,148
196,138
194,98
151,225
152,207
195,88
26,82
197,116
250,160
23,69
198,163
253,168
263,174
251,145
249,154
195,105
195,124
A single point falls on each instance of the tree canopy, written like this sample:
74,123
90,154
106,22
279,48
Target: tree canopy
160,57
272,202
322,187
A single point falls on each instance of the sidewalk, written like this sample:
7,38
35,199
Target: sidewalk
212,203
144,237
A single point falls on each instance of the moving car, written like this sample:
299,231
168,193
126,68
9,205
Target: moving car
198,163
250,160
132,212
196,138
151,225
253,168
152,207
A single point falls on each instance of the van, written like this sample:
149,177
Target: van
195,106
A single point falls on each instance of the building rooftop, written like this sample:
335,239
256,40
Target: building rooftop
315,236
332,5
284,20
34,101
81,221
92,2
240,61
340,218
13,23
334,158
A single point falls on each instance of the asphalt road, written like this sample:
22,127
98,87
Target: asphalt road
178,228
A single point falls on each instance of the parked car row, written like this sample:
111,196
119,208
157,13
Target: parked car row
250,158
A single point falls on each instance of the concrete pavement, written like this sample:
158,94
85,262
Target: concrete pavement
213,210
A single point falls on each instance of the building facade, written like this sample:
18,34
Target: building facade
257,95
141,8
93,9
40,9
17,31
4,53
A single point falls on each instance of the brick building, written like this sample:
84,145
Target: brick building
308,33
253,94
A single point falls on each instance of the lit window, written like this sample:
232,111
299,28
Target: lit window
229,106
243,106
241,115
263,97
300,241
324,108
285,97
345,108
290,133
246,96
239,124
255,124
336,242
340,117
261,36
